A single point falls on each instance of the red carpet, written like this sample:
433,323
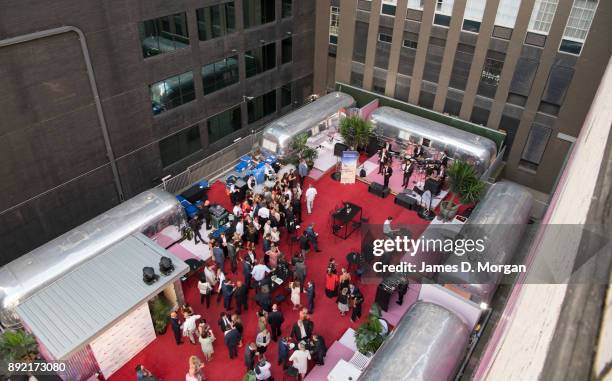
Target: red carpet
169,362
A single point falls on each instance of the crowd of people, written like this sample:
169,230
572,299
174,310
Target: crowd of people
260,219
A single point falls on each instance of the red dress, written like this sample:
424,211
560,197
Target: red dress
331,285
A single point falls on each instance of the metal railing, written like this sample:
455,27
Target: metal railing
212,166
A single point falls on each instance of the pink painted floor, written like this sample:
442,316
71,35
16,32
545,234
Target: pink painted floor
335,353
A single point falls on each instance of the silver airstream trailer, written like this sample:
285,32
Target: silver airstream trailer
500,219
428,344
403,128
311,119
149,212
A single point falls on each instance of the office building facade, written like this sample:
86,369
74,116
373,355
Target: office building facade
528,67
102,99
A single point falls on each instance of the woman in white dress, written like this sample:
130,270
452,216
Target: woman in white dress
299,360
206,341
295,295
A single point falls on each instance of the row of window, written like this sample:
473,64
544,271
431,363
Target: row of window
177,90
574,35
188,141
539,134
169,33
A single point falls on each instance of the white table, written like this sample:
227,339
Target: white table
344,371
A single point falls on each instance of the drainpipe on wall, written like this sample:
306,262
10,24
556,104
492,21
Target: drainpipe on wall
92,82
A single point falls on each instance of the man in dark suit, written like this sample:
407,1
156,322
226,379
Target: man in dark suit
224,322
176,328
275,319
219,256
227,290
320,349
205,213
241,295
387,172
304,243
247,267
310,294
232,339
283,352
232,254
302,329
249,356
299,272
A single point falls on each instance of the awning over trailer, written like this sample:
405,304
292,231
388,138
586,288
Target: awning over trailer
74,309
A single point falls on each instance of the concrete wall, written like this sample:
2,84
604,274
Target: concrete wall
444,72
51,146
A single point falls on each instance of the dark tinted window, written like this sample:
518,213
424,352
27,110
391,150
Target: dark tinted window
163,34
287,50
388,9
569,46
224,124
180,145
172,92
216,21
260,59
287,8
262,106
258,12
220,74
491,73
286,95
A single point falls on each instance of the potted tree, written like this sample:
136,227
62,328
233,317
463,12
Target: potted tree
160,313
355,131
299,150
464,186
371,334
18,346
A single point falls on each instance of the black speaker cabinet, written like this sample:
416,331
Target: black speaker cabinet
372,147
242,187
339,148
378,189
406,200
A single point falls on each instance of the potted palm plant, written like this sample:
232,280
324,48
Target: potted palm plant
160,312
18,346
371,334
355,131
299,150
464,186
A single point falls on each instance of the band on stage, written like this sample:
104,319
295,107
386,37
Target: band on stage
414,159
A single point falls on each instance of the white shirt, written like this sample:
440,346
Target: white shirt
311,193
210,275
190,323
263,212
264,371
259,272
240,228
237,211
387,227
204,288
221,279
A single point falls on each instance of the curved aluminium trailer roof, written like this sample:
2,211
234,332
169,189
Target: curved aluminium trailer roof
500,219
461,145
281,131
427,344
40,267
